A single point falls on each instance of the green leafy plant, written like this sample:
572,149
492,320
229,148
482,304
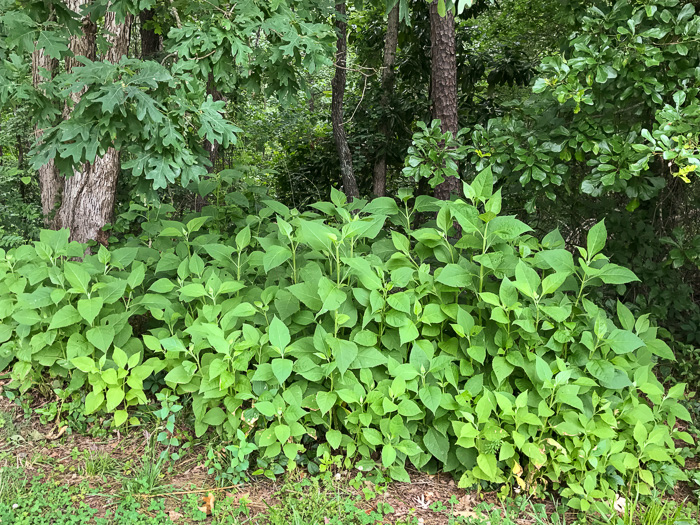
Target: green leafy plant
433,154
232,464
344,330
166,413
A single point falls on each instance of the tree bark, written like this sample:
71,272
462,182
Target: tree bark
338,94
20,165
49,180
87,203
390,43
211,147
151,44
443,83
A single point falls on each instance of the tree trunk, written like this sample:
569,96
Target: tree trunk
212,147
49,181
151,44
390,43
443,83
338,90
21,167
87,203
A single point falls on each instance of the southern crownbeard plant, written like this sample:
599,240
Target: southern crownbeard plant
345,330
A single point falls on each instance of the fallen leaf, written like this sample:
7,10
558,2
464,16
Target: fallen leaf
620,504
208,506
52,436
174,515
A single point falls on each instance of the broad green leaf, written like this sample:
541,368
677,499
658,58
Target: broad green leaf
180,375
325,401
544,372
441,8
214,417
84,364
66,316
661,349
120,358
138,273
94,401
78,278
436,444
488,465
243,238
455,276
625,316
120,417
27,317
330,294
483,184
478,353
279,334
595,240
553,282
614,274
282,433
388,455
501,368
344,353
162,286
601,369
282,369
90,308
115,395
275,256
372,436
334,438
317,235
623,341
192,291
101,336
431,396
526,279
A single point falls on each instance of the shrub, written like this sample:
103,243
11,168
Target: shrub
466,345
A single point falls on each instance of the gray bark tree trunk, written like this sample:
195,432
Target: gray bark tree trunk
390,43
338,94
443,83
49,179
87,201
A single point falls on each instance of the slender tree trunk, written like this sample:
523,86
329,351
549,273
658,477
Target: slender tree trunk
87,203
390,43
49,180
21,166
443,83
338,90
151,44
211,147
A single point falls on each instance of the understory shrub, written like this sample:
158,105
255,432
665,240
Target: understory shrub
466,345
